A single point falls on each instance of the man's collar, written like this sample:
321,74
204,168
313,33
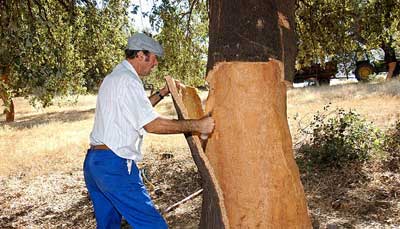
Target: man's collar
127,65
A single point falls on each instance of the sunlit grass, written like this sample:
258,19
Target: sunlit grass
56,138
378,102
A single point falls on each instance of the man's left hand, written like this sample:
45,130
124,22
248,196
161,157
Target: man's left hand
165,90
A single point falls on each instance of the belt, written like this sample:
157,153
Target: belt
93,147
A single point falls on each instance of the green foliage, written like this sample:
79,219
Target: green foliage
102,40
55,49
392,147
321,27
183,32
379,22
340,29
339,139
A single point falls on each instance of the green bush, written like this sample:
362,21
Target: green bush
337,139
391,146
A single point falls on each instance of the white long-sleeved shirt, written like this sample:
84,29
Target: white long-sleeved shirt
122,110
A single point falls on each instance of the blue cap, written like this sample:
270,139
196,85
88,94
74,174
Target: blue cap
141,41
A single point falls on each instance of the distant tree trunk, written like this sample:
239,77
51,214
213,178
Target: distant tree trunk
252,50
10,112
7,101
390,59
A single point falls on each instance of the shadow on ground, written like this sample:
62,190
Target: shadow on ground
30,121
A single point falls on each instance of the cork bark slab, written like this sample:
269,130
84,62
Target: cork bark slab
192,102
250,150
188,106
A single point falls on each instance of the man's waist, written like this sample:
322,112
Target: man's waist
99,147
125,151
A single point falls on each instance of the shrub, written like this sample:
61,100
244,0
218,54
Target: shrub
391,146
337,140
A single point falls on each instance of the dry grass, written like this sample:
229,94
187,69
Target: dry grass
378,103
41,184
41,141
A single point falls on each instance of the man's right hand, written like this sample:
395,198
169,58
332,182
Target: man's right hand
206,125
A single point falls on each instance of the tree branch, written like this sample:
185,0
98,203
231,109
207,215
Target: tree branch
191,196
30,10
189,14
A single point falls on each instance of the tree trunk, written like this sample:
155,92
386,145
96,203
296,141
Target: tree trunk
251,31
390,59
10,113
7,101
250,151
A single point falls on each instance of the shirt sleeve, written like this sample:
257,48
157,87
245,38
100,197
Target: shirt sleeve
141,112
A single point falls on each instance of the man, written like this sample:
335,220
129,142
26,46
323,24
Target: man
123,115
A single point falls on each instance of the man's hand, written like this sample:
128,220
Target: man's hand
178,85
206,125
165,90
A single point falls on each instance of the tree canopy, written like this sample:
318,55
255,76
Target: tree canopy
338,29
59,47
182,28
66,47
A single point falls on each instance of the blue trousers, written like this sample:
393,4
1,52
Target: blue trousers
116,193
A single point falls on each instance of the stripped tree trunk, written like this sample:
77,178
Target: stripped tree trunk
251,52
250,150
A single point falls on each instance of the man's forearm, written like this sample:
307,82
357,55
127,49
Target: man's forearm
169,126
158,96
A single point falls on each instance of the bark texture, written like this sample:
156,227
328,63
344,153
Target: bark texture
252,31
250,149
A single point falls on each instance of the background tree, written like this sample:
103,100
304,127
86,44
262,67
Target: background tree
341,30
321,27
377,23
58,47
182,27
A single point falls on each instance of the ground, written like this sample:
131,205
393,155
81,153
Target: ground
41,182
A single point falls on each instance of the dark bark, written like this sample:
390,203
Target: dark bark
10,112
211,216
253,31
390,54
